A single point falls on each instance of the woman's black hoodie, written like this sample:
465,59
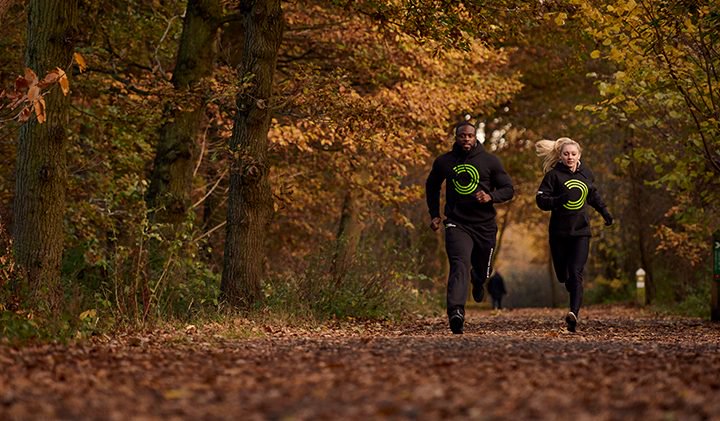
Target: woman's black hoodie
565,193
467,173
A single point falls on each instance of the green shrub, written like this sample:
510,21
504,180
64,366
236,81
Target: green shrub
603,290
696,303
376,286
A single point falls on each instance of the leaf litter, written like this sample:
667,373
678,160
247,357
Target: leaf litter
622,363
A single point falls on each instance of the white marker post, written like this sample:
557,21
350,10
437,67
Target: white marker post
640,286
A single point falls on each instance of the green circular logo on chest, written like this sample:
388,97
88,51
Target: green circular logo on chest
579,203
474,182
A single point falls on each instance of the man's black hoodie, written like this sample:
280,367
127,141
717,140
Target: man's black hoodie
465,174
565,193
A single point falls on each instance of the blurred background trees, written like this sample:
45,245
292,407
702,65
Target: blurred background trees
362,98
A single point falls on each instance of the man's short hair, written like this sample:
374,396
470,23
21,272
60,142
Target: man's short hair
463,123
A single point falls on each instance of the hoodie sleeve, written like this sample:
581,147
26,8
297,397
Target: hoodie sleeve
501,183
545,196
432,190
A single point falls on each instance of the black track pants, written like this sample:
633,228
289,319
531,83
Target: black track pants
569,256
466,250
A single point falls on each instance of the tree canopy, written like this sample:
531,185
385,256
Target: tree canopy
176,114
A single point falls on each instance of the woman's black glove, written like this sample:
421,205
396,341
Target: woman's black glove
607,217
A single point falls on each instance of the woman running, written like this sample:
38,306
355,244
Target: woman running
564,190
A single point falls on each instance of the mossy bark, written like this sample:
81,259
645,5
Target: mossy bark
250,201
41,168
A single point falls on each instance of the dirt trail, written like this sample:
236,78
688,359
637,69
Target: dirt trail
622,364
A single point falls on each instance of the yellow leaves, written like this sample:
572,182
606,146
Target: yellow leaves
88,314
628,5
595,54
631,106
674,114
616,54
560,19
80,60
64,83
57,76
689,25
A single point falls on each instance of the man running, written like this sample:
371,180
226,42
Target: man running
475,180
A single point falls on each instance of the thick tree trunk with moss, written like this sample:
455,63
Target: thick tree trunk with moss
41,170
168,196
250,201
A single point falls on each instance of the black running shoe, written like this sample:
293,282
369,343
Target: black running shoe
478,287
571,320
457,319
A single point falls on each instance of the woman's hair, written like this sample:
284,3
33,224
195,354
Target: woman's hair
550,150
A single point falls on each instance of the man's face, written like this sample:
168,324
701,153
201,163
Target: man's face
465,137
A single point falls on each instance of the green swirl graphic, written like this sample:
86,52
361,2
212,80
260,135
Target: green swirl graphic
576,204
474,179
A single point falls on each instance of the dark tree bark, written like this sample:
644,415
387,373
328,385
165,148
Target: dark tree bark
502,228
348,236
41,169
168,196
643,233
553,280
249,203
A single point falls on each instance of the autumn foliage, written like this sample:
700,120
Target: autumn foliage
365,95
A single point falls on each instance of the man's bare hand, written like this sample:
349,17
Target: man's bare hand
483,197
435,223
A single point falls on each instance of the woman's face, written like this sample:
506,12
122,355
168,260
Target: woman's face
570,155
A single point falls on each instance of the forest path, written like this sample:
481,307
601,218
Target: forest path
520,364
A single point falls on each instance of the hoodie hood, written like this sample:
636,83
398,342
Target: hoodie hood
477,149
560,166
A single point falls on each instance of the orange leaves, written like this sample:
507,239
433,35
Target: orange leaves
80,60
28,93
39,107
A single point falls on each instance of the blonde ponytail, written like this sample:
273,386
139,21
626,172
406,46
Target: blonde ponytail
550,150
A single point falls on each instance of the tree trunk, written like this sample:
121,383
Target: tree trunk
249,203
553,281
647,263
502,227
41,170
168,196
643,236
348,236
